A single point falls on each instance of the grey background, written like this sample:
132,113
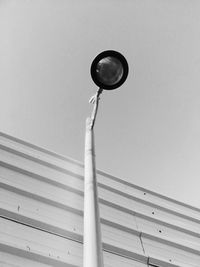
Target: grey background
148,131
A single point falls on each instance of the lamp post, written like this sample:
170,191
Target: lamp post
109,70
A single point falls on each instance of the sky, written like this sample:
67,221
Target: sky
148,130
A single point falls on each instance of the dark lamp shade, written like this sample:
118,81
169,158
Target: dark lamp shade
109,70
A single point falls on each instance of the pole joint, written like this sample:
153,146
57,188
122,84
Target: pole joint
95,101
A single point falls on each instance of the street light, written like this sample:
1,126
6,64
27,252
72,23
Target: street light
109,70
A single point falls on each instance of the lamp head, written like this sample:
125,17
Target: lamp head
109,70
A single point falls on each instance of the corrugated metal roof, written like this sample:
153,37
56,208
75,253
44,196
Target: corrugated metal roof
41,207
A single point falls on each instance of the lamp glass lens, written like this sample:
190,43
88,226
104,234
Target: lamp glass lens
109,70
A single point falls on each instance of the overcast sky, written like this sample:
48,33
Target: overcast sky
147,131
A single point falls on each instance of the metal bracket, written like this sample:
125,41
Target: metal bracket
95,101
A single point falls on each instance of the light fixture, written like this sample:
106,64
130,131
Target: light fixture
109,70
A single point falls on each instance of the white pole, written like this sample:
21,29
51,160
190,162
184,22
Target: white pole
93,256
